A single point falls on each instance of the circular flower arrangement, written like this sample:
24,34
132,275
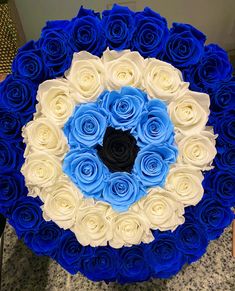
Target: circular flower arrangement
117,144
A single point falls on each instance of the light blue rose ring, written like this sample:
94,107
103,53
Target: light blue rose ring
127,112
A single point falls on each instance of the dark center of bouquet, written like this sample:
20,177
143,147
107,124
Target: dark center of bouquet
119,150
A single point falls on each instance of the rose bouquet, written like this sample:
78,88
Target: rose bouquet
117,144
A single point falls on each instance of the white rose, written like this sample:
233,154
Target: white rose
190,112
123,68
86,74
61,203
41,134
92,227
162,210
129,228
197,150
163,81
186,184
41,169
56,100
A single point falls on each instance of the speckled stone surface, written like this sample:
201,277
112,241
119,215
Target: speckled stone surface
24,271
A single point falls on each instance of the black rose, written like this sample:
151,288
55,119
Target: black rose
119,150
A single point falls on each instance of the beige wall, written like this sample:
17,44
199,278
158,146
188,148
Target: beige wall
216,18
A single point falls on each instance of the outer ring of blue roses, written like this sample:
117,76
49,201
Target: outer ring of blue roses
64,247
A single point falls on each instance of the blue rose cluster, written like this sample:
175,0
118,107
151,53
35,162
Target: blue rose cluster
207,68
119,29
129,110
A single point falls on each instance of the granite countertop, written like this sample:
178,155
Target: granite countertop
24,271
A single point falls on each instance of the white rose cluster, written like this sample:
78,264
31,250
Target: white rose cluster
95,223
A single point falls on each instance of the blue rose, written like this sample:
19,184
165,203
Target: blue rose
185,45
155,125
214,215
11,157
122,190
213,67
10,126
28,63
86,32
12,187
86,170
225,160
26,215
155,104
18,95
118,25
71,252
151,33
192,240
56,51
223,98
133,265
221,185
225,127
152,164
163,255
102,265
123,107
45,240
86,127
224,185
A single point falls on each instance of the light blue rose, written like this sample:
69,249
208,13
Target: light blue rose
154,125
86,171
86,127
122,190
152,164
124,107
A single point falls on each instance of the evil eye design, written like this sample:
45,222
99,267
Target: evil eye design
112,176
